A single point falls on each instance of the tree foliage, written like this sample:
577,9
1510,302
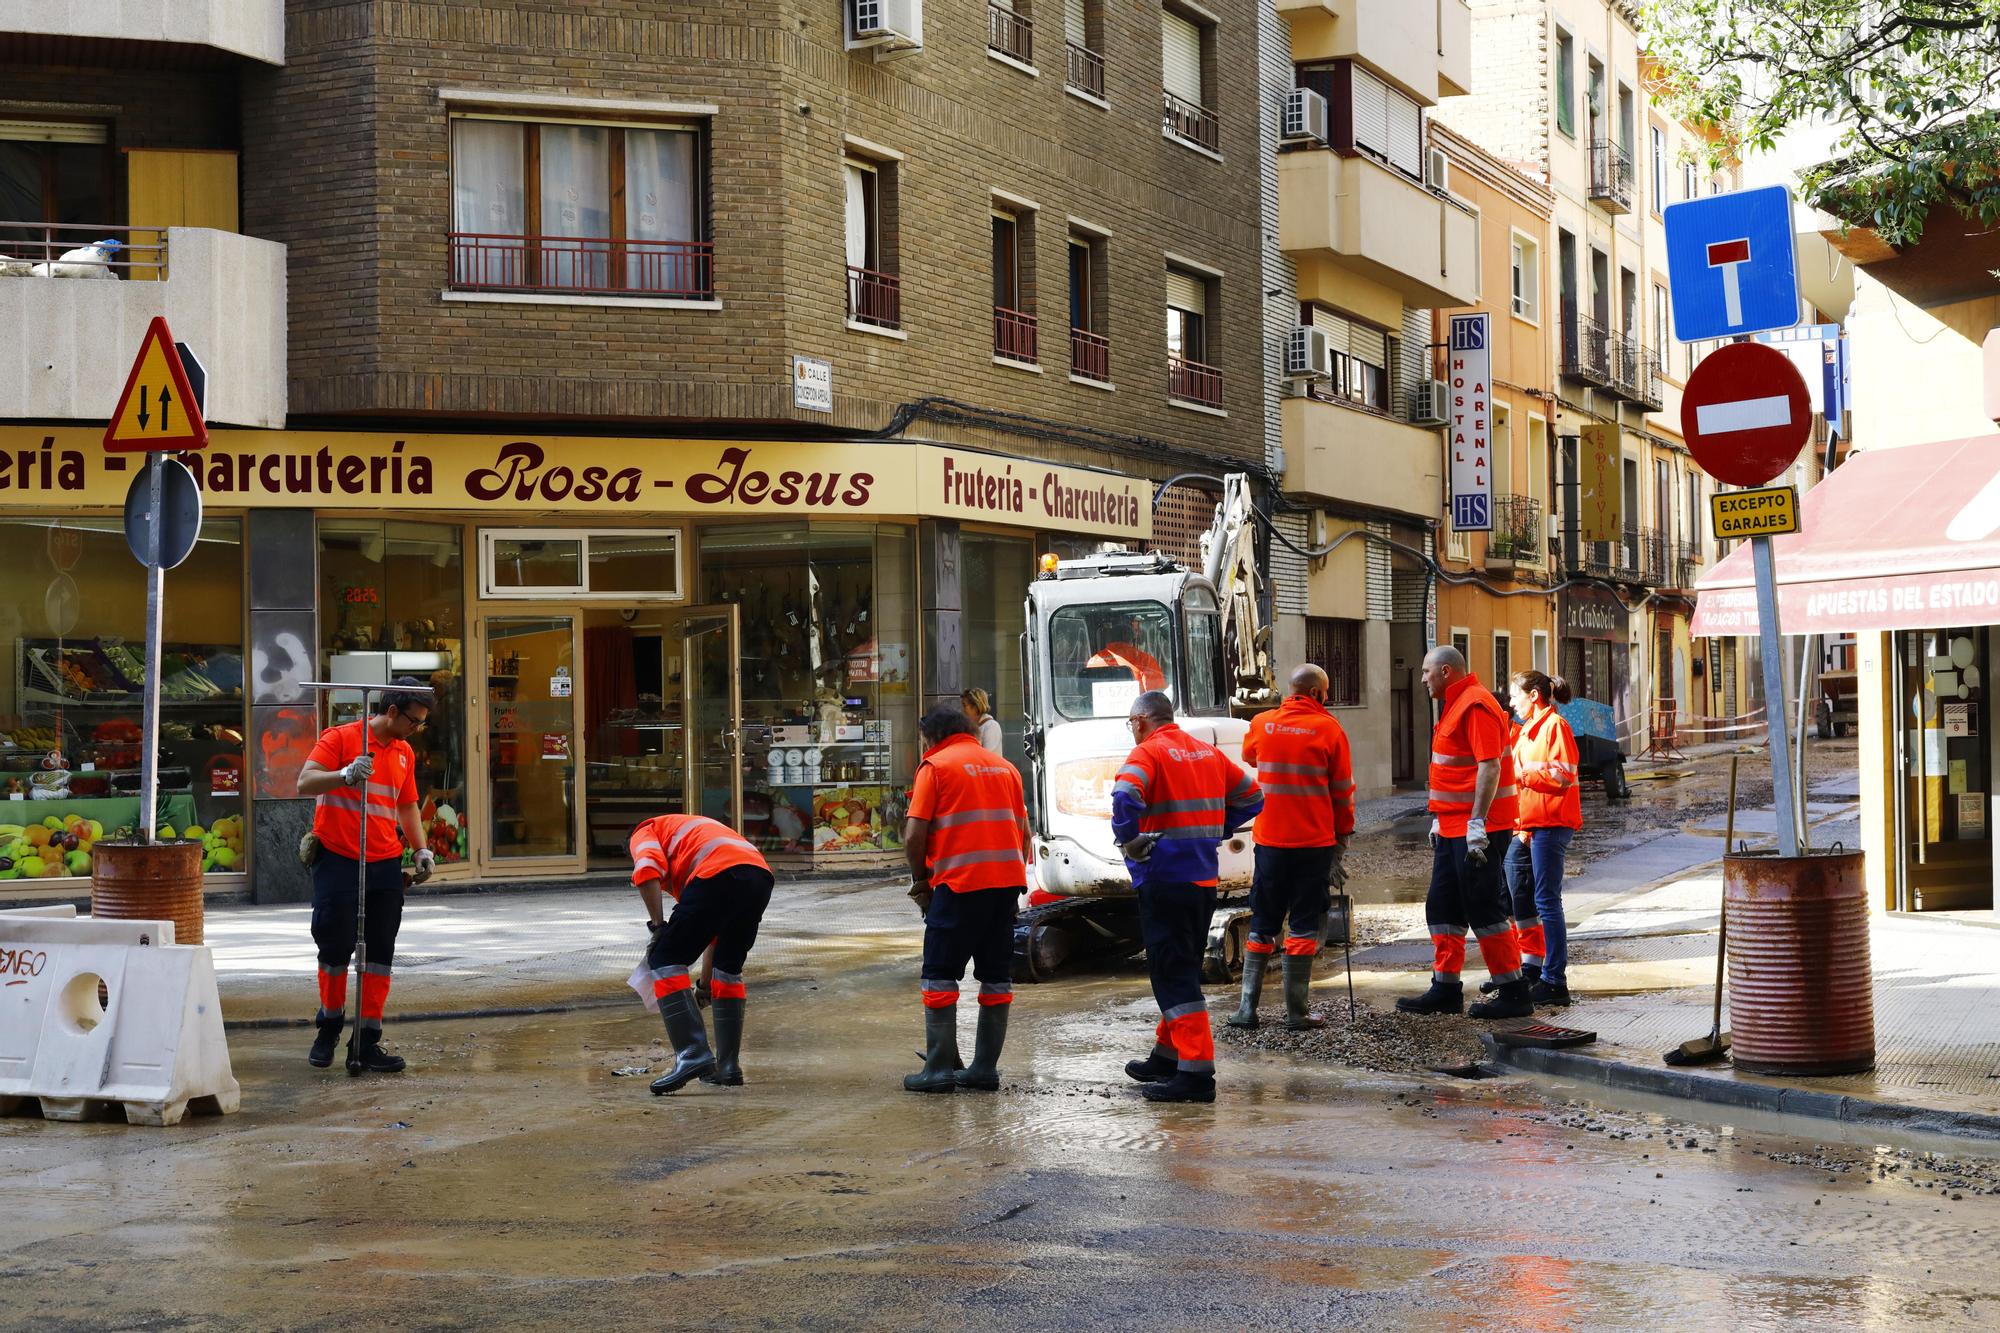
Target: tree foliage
1913,86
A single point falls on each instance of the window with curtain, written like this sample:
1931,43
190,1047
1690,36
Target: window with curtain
566,229
1565,83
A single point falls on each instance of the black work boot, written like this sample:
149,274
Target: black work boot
1253,988
1543,993
939,1073
1530,973
987,1040
1184,1086
321,1054
689,1039
366,1056
1298,993
1509,1001
1441,998
728,1015
1155,1068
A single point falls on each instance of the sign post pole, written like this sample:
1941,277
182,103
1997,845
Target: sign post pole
1770,647
149,725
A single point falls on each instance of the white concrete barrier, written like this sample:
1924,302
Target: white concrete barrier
98,1016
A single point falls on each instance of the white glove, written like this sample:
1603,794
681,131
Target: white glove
426,862
1140,847
1437,831
1475,838
359,771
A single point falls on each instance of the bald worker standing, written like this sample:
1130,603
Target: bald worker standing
1303,764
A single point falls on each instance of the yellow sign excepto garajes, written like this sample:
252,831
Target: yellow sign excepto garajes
157,412
1764,512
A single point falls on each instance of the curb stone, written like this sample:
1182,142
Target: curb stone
1667,1082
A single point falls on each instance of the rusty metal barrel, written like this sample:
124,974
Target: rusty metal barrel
136,881
1801,991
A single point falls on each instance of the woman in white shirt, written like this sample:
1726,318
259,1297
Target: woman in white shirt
986,728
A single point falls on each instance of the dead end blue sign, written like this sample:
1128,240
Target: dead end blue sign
1732,264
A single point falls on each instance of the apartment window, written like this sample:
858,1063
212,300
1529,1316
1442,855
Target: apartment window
1014,325
1628,130
1659,168
1191,376
1386,124
1527,279
1461,639
1566,278
587,208
1503,661
1593,99
1539,649
1083,34
1692,490
1089,348
1502,472
1010,30
1659,325
1565,83
874,292
1663,497
1689,188
1334,646
1187,102
1364,359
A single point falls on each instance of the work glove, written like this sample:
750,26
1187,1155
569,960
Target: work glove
1435,829
1336,871
1475,841
425,863
921,894
1141,847
359,771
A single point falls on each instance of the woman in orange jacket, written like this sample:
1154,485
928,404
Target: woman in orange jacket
1551,811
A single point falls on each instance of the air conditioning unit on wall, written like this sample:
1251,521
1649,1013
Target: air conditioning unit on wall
1307,352
1428,404
894,24
1437,171
1305,117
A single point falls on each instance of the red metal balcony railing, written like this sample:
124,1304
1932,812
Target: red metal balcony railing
874,298
26,247
1086,70
1011,34
1014,335
1193,382
1089,356
588,265
1191,121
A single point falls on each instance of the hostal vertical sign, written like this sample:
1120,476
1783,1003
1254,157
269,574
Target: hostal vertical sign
1471,423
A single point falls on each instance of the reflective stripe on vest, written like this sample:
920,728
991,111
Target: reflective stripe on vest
1454,769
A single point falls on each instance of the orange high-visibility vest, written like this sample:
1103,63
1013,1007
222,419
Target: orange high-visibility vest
1545,767
1301,756
1145,667
1473,721
683,848
337,813
1191,795
972,800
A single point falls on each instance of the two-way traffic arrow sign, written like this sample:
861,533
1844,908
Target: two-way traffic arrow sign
159,410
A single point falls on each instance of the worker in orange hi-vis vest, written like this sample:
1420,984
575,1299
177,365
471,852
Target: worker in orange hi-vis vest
355,771
1174,799
1301,757
966,839
1472,800
1551,804
721,886
1122,649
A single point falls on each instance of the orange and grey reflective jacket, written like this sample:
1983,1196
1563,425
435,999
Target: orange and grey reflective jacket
683,848
1301,757
1474,728
1545,767
1188,793
337,813
971,798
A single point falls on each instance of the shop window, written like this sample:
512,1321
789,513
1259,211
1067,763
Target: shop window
828,681
1334,646
392,603
997,569
574,563
72,667
1102,657
610,210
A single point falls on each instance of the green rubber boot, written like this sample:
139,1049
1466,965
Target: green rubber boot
689,1039
1298,993
1253,988
728,1014
940,1053
984,1072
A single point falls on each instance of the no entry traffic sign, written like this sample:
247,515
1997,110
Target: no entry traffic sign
1745,413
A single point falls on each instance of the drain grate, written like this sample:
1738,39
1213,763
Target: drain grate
1545,1035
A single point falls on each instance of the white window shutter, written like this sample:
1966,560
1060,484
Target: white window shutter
1186,292
1075,27
1180,57
1371,112
1406,135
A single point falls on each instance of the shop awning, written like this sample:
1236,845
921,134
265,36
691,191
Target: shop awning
1893,539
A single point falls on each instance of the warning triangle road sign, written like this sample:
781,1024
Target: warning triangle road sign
158,410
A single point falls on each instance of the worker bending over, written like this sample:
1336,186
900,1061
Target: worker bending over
966,840
1173,801
1303,765
1472,802
721,886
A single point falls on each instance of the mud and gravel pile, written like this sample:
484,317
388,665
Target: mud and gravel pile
1377,1038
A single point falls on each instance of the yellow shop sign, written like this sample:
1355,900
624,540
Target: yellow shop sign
602,475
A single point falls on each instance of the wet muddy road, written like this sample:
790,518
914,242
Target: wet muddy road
513,1180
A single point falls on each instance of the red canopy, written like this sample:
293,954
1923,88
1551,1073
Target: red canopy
1892,539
